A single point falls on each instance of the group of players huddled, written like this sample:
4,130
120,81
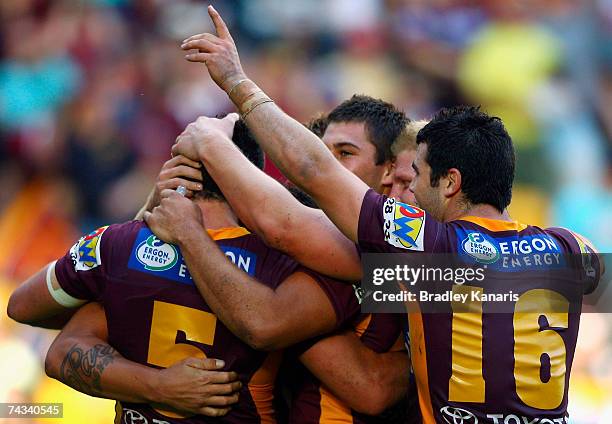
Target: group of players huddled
155,316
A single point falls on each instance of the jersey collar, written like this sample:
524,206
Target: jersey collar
227,233
495,224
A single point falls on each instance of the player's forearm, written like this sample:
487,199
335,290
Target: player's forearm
241,303
303,158
366,381
392,374
91,366
261,203
271,211
32,304
297,152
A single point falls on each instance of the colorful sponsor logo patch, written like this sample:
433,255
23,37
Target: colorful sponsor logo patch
153,256
85,253
479,247
404,225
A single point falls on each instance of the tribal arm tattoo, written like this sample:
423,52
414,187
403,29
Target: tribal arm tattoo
91,366
82,370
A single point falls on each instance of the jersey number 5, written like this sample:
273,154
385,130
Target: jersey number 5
172,327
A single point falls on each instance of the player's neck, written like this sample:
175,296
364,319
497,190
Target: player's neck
217,214
480,211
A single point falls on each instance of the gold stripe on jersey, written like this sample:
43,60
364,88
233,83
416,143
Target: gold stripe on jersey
495,224
363,325
227,233
418,356
333,411
261,387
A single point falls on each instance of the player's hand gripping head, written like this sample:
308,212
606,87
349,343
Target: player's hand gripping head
201,132
179,171
175,217
217,52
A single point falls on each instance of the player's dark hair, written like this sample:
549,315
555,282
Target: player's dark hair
478,145
318,125
383,122
244,140
303,197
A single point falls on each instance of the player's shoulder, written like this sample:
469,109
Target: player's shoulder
572,241
98,247
251,254
115,231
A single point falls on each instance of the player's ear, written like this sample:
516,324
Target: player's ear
451,183
389,170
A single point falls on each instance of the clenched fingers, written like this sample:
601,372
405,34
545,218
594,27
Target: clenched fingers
224,389
222,400
209,364
221,377
182,171
181,160
174,183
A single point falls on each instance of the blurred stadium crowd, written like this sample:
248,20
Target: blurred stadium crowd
93,94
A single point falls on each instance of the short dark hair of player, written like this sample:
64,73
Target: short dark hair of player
383,122
478,145
244,140
301,196
318,125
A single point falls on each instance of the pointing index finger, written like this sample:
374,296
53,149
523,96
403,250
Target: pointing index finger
220,26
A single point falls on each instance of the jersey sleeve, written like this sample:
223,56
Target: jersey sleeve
589,261
341,295
386,225
83,271
380,332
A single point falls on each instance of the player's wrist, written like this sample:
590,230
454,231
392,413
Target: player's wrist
191,234
153,386
215,140
231,81
241,91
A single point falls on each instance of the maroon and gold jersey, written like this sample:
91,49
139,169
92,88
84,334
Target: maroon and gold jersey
313,402
479,366
157,317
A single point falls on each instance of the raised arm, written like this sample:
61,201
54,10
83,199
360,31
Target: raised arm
366,381
264,318
297,152
81,358
268,208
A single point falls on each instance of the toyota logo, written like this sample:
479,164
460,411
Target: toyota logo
458,416
133,417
